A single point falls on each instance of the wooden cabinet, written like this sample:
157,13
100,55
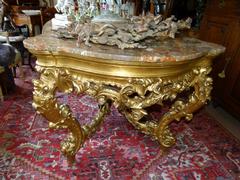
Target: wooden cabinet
221,24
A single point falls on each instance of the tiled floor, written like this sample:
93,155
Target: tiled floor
228,121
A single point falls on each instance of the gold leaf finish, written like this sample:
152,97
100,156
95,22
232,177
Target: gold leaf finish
131,96
122,80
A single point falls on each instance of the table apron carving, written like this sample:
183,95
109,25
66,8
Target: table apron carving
131,95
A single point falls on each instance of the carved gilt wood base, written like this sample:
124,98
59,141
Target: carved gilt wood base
130,95
172,73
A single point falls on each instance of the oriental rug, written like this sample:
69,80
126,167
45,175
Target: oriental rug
29,150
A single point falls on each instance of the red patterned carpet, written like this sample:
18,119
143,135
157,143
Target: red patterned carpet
204,149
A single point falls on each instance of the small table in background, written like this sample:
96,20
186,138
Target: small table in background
30,20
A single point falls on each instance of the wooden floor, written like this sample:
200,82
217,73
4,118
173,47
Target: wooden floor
228,121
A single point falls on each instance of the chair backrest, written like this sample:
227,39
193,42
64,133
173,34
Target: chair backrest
47,14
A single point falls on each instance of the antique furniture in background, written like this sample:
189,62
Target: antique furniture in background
30,20
25,12
221,24
132,80
24,16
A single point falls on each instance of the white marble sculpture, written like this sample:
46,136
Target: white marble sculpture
69,12
110,29
64,6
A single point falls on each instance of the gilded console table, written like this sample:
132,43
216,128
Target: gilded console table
130,79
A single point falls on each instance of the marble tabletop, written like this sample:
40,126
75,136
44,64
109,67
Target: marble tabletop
161,50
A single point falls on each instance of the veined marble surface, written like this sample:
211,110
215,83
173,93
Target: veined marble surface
163,50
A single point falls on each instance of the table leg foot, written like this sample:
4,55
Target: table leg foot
71,159
58,115
140,94
166,138
202,85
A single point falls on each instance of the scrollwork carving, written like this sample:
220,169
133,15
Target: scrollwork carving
131,98
60,115
139,94
202,87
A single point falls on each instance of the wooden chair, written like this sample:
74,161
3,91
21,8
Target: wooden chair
12,34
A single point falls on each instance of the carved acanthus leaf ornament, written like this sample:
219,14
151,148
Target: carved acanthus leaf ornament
131,98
